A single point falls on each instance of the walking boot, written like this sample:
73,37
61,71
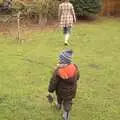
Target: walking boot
66,116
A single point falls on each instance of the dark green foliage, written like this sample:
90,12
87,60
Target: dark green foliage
86,7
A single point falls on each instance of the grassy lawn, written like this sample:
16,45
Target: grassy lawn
25,71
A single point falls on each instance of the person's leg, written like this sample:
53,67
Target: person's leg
67,104
67,31
59,102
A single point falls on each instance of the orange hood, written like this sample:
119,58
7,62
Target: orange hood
67,72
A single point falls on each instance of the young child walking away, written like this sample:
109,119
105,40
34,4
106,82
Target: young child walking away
64,82
66,17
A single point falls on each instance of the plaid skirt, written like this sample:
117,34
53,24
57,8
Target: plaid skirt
66,21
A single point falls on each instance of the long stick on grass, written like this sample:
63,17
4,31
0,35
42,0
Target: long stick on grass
18,26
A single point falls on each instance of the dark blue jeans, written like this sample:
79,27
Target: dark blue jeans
67,29
67,104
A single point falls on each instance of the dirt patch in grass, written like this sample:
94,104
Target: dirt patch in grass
10,29
4,28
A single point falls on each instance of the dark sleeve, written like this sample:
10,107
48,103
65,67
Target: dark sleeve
78,72
53,83
78,75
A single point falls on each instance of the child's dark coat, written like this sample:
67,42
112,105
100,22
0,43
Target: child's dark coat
65,88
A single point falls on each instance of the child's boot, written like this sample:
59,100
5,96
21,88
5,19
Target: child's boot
66,39
66,116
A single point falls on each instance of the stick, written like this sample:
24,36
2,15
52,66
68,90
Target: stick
18,25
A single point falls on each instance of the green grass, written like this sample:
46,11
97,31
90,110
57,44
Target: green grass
25,71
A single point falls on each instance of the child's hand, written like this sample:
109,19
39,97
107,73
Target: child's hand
50,98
